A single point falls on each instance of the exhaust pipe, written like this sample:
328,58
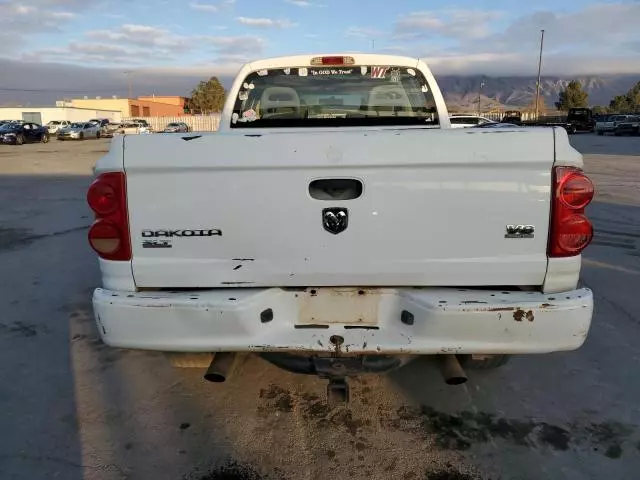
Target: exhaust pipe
452,370
220,367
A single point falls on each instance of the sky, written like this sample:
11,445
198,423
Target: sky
58,44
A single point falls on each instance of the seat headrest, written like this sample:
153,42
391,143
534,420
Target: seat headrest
275,98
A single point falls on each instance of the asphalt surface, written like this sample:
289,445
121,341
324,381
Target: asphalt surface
71,408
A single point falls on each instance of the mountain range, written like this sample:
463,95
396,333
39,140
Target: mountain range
462,92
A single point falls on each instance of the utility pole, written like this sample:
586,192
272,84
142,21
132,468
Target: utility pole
128,74
539,73
479,92
373,45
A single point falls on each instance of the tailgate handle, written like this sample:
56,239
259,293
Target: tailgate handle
335,189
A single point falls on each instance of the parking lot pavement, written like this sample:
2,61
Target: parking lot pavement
71,408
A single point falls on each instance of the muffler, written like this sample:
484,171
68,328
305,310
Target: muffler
451,370
220,367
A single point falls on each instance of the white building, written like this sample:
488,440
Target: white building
43,115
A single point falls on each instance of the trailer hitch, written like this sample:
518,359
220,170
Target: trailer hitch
337,392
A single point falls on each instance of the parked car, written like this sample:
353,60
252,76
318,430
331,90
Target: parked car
609,124
580,120
512,116
109,129
54,125
473,239
466,121
79,131
19,133
629,126
131,128
144,123
100,121
175,127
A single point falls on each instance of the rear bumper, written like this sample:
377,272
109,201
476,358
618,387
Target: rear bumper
438,321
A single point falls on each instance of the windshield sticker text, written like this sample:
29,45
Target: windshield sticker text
332,71
303,72
363,70
395,75
243,95
378,72
287,71
411,72
262,73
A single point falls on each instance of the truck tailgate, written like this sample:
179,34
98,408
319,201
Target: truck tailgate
437,207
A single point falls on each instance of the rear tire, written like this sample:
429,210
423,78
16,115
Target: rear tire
600,133
484,362
190,360
19,139
44,138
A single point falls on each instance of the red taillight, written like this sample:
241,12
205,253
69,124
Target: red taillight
102,198
571,231
109,235
575,190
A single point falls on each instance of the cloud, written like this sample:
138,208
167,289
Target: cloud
211,7
265,22
101,53
141,44
204,7
18,21
364,32
458,24
304,3
515,64
142,35
236,45
580,30
72,81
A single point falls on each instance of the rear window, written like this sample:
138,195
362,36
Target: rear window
464,120
334,96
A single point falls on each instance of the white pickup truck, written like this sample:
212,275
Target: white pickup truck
336,224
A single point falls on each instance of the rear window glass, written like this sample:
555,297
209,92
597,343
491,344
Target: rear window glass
334,96
464,120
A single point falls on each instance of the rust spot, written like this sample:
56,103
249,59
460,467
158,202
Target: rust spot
243,259
546,305
236,283
237,267
518,315
530,316
501,309
469,302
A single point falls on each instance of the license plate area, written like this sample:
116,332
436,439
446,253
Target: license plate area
339,305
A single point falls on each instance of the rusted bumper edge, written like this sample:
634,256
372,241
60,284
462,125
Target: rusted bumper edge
398,321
